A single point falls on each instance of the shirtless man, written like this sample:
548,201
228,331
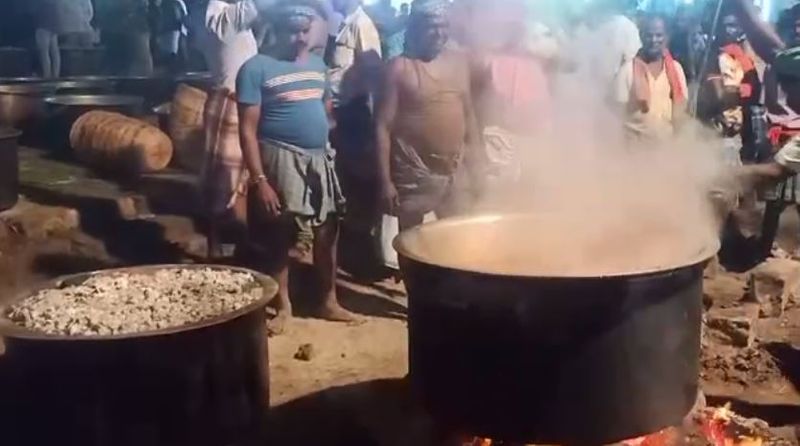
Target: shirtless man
425,121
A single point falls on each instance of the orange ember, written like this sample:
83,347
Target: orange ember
665,437
719,429
718,426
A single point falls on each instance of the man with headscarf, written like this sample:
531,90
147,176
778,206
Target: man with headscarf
283,98
425,121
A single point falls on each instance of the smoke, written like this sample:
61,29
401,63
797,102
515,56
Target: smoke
612,201
593,199
624,203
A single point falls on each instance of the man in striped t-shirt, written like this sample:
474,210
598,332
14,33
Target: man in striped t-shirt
283,109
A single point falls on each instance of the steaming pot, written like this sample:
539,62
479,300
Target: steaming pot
550,359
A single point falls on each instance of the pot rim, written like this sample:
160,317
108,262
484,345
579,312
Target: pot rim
403,245
9,133
11,330
93,100
34,89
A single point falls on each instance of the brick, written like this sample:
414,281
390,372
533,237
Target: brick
733,327
774,285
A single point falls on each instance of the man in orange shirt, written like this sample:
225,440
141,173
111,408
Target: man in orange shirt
652,87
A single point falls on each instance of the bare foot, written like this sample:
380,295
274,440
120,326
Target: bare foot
335,313
277,325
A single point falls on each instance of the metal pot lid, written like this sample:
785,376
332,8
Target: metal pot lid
88,100
9,133
548,246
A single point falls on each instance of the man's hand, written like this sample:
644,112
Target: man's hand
268,198
390,199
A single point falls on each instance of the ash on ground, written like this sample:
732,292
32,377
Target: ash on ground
741,366
127,303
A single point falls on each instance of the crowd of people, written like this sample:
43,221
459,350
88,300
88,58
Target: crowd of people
415,112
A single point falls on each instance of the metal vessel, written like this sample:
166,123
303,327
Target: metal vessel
550,359
9,167
21,104
201,384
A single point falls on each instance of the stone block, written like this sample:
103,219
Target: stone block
733,327
774,285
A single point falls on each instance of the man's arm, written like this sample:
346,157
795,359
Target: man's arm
368,56
473,138
249,116
386,111
248,88
248,136
88,11
235,18
766,42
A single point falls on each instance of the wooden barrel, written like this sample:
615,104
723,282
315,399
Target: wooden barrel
114,142
186,127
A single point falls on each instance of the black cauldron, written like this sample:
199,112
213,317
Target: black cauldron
9,167
205,384
548,358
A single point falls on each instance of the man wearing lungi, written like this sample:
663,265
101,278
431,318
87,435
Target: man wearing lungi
511,90
425,121
224,34
283,107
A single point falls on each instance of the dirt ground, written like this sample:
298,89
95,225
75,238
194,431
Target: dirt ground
352,388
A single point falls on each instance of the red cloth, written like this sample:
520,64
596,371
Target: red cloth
746,62
641,88
779,134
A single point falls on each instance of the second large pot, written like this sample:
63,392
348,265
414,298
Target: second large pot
589,358
21,104
204,384
9,167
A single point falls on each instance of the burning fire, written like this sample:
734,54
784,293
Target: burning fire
718,426
720,430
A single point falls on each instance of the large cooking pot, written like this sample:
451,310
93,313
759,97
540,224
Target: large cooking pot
516,333
197,385
64,110
21,103
9,168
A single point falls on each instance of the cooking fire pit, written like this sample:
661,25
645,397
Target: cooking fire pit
200,383
520,331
